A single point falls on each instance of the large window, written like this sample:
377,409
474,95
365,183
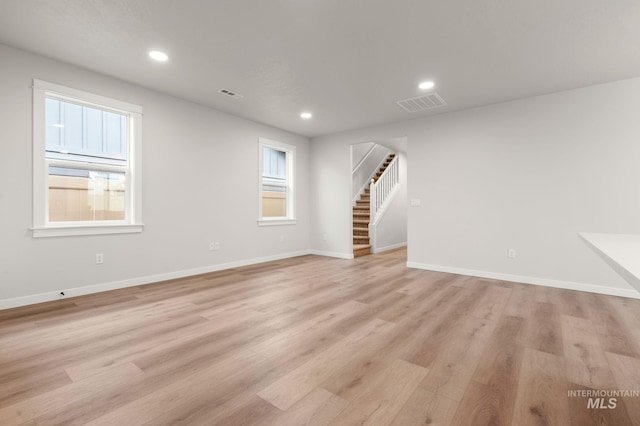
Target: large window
277,195
86,163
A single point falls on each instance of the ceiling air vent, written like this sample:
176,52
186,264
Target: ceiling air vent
230,93
422,103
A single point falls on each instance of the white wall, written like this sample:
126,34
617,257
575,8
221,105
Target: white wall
527,174
371,164
391,230
200,178
358,151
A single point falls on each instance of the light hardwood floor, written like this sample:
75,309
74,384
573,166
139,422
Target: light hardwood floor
315,340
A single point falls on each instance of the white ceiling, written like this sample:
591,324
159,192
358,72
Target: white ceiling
347,61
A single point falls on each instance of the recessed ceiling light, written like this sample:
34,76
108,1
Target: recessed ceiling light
426,85
158,55
306,115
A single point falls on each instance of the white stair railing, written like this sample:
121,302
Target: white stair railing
379,190
366,169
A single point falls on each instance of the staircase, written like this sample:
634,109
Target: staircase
362,215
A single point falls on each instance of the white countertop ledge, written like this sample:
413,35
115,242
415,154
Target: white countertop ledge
620,251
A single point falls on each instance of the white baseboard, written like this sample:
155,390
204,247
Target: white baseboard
97,288
387,248
80,291
568,285
332,254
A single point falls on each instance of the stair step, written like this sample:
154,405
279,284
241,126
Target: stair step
361,215
362,232
361,246
361,250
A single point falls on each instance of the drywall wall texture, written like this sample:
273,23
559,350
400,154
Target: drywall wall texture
200,184
391,230
525,175
358,151
368,166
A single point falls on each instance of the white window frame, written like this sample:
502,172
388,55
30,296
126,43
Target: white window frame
132,223
290,153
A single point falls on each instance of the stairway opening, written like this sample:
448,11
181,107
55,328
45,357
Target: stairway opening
362,213
379,195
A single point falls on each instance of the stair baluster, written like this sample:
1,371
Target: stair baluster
378,192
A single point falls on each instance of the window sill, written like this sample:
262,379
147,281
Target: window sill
70,231
276,222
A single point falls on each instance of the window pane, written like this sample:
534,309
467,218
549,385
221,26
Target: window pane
53,123
274,163
85,195
274,200
95,134
72,139
81,133
274,183
114,133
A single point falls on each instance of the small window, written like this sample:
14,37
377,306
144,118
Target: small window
277,196
86,163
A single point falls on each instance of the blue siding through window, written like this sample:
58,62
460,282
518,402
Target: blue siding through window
274,163
74,131
274,169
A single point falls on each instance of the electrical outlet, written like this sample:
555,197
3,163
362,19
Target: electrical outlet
216,245
415,202
511,253
212,246
99,258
